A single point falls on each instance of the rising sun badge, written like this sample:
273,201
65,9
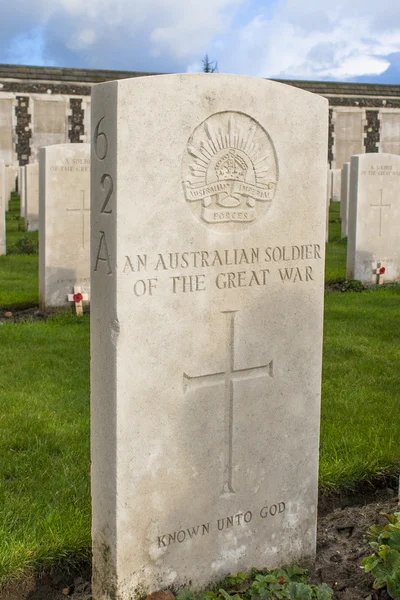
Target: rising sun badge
230,170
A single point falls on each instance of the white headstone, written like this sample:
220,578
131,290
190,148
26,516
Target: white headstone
22,191
344,198
3,207
374,218
11,180
32,196
64,222
336,184
207,275
328,201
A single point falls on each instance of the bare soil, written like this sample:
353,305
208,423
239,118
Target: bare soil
33,314
342,543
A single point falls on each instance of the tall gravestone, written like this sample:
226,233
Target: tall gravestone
3,207
64,223
344,198
22,191
336,184
11,179
32,196
328,201
373,248
208,236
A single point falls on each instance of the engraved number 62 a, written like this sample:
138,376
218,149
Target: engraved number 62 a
100,142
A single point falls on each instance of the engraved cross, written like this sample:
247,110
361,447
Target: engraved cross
228,377
380,206
82,211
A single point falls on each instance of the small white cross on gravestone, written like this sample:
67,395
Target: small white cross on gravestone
380,206
82,210
77,297
379,272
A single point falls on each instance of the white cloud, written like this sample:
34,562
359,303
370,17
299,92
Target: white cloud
320,39
304,39
168,28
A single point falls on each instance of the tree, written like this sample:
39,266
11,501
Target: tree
209,66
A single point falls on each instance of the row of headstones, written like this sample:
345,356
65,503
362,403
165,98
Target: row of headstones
368,189
26,180
54,199
28,186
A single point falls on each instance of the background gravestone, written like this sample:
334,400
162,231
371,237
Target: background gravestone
32,196
328,201
3,207
11,179
64,228
336,184
344,198
22,191
374,218
208,237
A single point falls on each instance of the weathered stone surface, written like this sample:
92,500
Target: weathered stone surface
374,218
336,184
3,207
207,278
344,198
11,180
22,191
328,201
64,208
32,197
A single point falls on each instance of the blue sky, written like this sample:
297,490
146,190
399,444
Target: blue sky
342,40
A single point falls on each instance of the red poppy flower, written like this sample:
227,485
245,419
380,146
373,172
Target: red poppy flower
382,270
78,297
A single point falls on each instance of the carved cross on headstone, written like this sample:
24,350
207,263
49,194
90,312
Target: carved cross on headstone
77,298
82,210
380,206
229,376
379,272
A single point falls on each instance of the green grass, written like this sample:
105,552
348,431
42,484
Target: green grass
336,249
16,225
44,443
19,273
360,427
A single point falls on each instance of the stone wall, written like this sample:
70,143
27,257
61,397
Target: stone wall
40,106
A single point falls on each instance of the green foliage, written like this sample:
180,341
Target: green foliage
209,66
384,563
25,245
280,584
19,221
354,285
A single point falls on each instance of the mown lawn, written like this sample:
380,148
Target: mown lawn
19,273
360,427
44,443
44,421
